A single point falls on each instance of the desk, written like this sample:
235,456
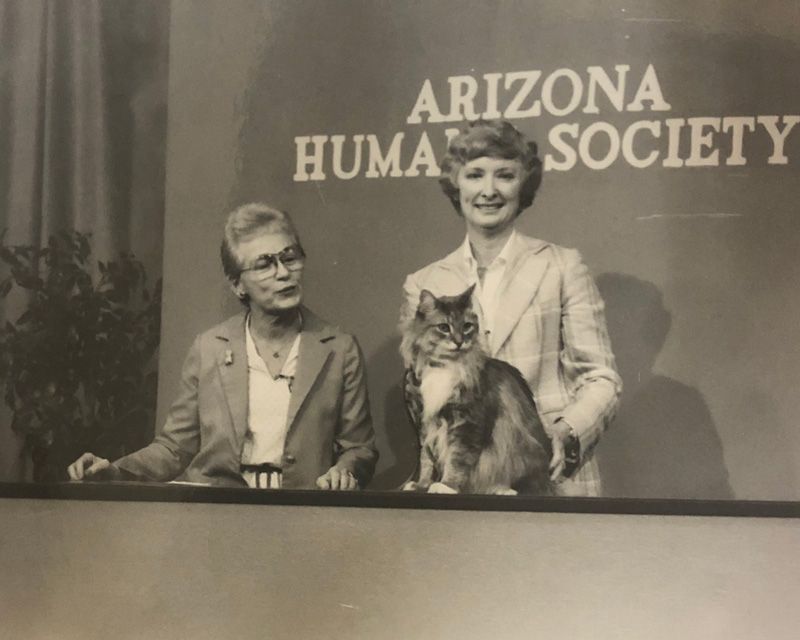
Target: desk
116,561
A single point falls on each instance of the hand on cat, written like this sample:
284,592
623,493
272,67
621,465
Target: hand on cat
92,467
561,431
558,460
337,479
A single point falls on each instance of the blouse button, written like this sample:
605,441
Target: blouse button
288,458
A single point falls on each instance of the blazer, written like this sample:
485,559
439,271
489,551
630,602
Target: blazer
204,433
550,325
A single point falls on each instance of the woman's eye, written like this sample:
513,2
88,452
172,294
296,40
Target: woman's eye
444,328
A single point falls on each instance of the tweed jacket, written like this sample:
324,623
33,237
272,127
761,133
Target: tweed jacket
204,433
550,325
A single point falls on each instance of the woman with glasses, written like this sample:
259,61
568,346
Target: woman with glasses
272,397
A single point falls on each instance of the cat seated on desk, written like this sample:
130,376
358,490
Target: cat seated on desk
479,430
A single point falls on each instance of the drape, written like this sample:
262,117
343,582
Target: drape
83,117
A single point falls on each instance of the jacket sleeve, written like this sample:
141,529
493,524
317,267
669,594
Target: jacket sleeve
355,438
178,441
586,356
408,308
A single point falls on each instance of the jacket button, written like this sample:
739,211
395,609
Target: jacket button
288,458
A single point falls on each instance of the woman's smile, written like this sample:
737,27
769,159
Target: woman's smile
489,206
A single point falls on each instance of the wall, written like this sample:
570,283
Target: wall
75,569
697,264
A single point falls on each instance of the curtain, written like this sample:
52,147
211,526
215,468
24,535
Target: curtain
83,88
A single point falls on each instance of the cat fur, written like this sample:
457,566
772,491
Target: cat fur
479,430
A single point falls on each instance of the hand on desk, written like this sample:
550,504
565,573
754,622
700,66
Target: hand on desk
337,479
92,467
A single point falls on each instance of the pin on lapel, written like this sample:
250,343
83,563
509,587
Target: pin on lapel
228,357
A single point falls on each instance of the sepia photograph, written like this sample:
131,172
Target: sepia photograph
490,307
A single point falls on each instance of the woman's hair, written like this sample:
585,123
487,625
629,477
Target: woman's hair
248,221
494,139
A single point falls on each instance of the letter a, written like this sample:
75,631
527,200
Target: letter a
649,89
426,102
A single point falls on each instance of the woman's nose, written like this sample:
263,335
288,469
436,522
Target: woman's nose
488,188
281,271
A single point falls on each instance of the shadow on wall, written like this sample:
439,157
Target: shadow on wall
663,442
400,438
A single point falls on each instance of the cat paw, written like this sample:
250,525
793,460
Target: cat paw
410,486
440,487
503,491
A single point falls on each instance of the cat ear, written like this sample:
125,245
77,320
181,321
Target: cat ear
427,302
465,298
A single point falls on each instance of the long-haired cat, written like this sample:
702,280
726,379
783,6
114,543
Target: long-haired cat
478,426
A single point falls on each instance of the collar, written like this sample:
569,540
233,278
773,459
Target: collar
501,259
233,329
256,361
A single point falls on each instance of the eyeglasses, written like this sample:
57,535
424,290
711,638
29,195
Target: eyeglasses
266,265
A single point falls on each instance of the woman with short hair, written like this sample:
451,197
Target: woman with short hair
538,306
272,397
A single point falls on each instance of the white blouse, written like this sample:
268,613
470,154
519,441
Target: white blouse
268,406
487,291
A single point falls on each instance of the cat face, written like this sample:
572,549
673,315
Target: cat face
447,326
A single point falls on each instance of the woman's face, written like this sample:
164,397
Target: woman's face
273,289
489,191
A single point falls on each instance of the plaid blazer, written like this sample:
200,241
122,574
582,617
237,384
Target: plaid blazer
550,325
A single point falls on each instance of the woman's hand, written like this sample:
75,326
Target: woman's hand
558,460
338,480
558,438
92,467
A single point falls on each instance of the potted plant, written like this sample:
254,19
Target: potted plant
77,366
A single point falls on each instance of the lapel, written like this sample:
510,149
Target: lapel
231,358
526,268
315,350
453,277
